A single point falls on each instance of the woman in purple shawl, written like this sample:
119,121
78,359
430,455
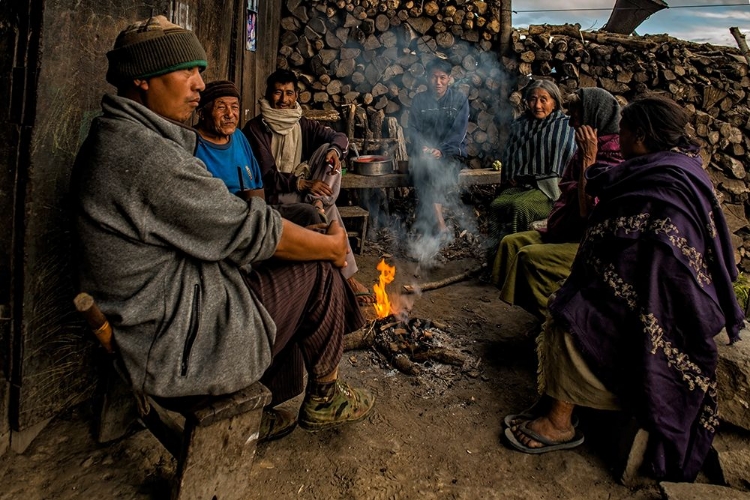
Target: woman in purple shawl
633,326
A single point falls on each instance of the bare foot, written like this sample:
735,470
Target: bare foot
544,427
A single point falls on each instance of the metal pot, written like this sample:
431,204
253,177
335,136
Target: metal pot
372,165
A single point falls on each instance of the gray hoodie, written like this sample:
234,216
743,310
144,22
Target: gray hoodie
161,243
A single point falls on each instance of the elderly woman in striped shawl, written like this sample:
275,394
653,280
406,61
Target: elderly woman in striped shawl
539,146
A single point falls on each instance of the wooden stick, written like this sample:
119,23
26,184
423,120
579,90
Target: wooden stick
432,285
739,37
360,339
95,318
405,365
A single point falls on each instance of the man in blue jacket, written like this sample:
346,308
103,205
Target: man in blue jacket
437,128
227,154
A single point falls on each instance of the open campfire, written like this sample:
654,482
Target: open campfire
409,344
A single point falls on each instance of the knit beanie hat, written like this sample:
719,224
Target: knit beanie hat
219,88
153,47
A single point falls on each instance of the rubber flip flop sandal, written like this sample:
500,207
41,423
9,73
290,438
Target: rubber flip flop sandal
549,445
526,416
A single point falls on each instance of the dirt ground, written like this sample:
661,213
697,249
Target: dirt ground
436,435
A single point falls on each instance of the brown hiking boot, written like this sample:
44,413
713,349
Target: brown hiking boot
275,424
333,404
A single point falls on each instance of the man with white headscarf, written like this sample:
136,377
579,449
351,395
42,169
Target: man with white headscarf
300,159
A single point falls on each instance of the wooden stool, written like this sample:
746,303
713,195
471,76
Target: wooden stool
213,438
217,442
356,228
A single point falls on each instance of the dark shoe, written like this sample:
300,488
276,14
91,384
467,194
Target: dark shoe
330,405
275,424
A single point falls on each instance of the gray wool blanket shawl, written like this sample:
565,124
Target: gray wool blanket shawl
160,246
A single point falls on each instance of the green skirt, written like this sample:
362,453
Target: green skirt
528,271
515,209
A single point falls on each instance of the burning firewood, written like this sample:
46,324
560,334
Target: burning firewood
406,344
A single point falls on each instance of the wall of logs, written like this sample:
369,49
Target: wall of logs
711,82
366,59
372,54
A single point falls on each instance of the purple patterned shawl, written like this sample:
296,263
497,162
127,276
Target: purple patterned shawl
650,288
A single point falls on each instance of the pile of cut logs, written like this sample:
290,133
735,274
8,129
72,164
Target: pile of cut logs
712,83
373,53
366,58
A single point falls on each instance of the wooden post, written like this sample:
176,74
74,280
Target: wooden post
741,43
506,26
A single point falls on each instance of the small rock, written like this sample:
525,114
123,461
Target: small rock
733,377
692,491
733,451
734,467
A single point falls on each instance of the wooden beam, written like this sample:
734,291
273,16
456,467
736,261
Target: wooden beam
739,37
467,177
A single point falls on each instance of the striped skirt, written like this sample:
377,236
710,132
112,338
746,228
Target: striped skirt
313,307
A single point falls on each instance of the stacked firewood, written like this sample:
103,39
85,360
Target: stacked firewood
373,53
711,82
366,59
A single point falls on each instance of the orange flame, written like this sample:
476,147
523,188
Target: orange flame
382,302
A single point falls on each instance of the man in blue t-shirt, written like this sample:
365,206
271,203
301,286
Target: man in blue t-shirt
228,155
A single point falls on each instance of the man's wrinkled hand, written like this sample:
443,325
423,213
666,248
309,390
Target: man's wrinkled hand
341,247
332,158
318,188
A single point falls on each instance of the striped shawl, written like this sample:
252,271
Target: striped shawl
538,149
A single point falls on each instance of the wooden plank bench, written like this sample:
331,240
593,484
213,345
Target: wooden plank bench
467,177
213,438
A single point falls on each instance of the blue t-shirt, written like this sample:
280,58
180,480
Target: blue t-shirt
224,160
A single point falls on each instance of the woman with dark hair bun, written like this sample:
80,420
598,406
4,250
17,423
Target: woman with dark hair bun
633,326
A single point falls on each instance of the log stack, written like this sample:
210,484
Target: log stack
367,58
373,53
712,83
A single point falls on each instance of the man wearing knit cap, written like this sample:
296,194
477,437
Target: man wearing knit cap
227,154
224,149
170,254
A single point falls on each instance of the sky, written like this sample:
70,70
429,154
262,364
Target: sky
693,20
